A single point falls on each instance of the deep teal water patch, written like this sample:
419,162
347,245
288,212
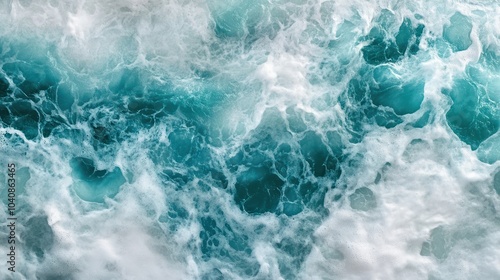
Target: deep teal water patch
276,170
34,99
474,115
424,120
385,47
404,97
258,190
319,159
380,95
4,86
26,118
457,32
92,184
31,78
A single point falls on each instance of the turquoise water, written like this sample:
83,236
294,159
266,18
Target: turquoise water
252,139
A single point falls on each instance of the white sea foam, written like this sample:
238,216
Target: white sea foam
434,209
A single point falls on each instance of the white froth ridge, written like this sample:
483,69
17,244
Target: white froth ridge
413,197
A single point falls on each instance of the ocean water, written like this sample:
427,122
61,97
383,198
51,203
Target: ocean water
264,139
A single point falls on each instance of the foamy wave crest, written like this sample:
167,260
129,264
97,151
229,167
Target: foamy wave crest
188,139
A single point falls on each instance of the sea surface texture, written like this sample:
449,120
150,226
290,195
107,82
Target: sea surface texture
263,139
